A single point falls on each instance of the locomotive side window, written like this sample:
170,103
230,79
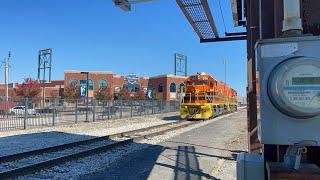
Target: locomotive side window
211,84
201,82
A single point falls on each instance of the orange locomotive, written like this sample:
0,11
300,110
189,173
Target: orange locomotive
206,97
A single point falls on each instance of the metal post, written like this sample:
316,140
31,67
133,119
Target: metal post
108,106
131,106
120,109
54,114
94,111
152,107
25,119
141,107
43,85
76,112
6,75
87,94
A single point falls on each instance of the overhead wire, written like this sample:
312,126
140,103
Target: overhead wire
224,24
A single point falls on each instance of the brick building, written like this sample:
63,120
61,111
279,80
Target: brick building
166,87
53,89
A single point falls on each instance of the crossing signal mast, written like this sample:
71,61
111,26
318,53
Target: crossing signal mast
125,5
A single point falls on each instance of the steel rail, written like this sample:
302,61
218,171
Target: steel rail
26,154
71,157
28,169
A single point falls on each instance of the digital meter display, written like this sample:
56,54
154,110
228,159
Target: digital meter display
305,80
294,87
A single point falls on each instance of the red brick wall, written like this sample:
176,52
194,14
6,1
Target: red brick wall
118,81
166,80
94,76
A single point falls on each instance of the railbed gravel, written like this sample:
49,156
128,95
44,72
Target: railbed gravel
12,142
98,162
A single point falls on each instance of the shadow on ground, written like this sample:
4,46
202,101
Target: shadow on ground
135,165
139,165
171,118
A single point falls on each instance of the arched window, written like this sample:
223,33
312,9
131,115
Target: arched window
103,83
90,84
182,88
173,87
160,88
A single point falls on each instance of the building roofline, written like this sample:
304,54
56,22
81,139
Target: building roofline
168,75
93,72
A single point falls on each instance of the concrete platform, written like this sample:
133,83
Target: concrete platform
208,152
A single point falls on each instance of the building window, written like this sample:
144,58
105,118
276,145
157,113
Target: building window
160,88
90,84
103,83
132,87
173,87
137,88
182,88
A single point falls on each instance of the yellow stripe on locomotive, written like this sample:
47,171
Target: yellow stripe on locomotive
194,111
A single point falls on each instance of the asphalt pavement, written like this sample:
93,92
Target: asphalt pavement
207,152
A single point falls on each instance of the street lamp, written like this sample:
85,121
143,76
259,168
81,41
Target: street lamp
87,93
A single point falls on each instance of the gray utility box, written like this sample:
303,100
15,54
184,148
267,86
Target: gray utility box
289,70
250,167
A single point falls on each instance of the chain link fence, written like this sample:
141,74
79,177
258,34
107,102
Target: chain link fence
30,113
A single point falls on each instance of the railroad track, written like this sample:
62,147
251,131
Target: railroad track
32,161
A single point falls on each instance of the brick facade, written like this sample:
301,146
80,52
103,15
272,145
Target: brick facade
117,82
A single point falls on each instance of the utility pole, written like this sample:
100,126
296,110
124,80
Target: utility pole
6,75
225,71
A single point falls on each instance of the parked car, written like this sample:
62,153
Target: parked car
20,110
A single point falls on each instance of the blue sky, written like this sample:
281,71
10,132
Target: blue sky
95,35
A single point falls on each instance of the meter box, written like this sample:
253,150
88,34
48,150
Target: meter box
289,70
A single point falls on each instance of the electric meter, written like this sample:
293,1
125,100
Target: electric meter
289,93
294,87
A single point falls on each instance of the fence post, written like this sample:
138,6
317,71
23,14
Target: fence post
108,106
121,109
141,107
94,110
76,112
131,106
25,119
54,113
152,107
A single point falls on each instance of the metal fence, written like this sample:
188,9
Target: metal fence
29,113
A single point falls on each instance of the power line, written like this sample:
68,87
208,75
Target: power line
224,24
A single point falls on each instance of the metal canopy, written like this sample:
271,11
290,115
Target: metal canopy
199,16
237,11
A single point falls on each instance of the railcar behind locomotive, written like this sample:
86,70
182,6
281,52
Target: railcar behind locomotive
206,97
